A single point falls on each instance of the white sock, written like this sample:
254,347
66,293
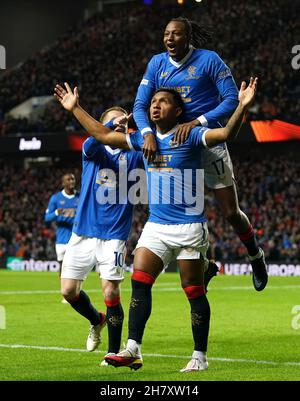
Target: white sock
199,355
133,346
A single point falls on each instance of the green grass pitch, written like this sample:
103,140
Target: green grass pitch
253,336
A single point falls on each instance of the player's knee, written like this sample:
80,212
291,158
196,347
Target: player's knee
194,291
111,292
69,292
140,277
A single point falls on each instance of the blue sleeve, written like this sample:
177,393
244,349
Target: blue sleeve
221,75
90,147
50,212
144,94
135,141
196,137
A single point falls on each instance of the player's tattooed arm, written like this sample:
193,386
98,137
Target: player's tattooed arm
246,97
70,101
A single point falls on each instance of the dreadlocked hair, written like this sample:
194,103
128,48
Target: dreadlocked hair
198,35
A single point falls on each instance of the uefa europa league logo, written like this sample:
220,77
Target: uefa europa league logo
2,58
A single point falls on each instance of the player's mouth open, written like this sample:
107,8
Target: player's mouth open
171,47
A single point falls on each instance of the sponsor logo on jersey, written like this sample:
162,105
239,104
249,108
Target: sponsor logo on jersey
62,202
144,81
164,74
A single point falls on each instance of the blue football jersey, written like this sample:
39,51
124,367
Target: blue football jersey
175,178
204,81
104,211
64,221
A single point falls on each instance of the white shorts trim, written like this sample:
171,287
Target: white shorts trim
175,241
218,169
83,254
60,251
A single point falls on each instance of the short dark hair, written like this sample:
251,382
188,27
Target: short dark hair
198,35
114,108
66,174
176,96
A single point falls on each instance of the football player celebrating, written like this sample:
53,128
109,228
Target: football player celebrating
177,224
210,95
99,235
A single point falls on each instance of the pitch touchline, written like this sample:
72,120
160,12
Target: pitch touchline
232,288
61,349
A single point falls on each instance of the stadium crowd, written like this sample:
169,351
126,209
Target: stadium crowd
269,194
106,57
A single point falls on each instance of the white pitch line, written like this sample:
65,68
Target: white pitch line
158,289
237,360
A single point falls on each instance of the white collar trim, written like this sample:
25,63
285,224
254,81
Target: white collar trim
112,151
162,136
68,196
181,62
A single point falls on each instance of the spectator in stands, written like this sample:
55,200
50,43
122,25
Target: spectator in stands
89,45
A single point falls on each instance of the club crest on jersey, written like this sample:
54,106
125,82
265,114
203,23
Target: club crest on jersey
62,202
122,158
192,71
173,144
164,74
105,179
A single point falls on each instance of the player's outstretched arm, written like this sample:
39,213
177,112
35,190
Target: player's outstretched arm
70,101
246,97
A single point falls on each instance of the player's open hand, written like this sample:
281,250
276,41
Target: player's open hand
183,131
149,148
247,93
67,98
121,122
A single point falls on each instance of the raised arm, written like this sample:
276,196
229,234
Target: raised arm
216,136
70,101
144,94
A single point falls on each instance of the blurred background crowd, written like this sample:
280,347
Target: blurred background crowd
106,57
269,192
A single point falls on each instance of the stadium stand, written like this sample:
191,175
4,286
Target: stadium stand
106,57
107,54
